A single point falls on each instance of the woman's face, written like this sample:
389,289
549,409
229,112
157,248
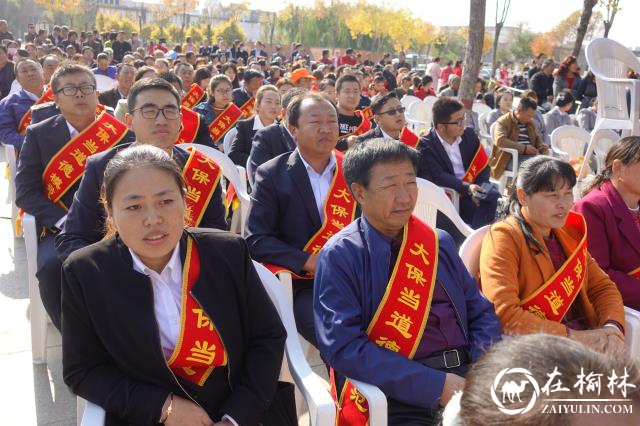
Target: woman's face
269,107
147,211
222,94
573,67
229,72
547,209
628,177
284,89
506,102
205,83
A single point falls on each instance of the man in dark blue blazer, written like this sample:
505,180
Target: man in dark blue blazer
252,81
288,199
447,152
86,219
352,281
272,140
30,75
42,143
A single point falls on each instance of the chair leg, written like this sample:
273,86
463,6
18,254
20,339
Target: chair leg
39,323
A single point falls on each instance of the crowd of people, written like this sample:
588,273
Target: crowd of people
162,314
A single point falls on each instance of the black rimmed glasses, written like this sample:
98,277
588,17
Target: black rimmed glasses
151,112
400,110
73,90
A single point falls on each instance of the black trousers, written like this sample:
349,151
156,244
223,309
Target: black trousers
48,274
303,310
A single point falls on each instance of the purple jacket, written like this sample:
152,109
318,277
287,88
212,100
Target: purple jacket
613,239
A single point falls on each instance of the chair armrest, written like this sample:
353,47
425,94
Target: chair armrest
514,158
93,415
453,196
377,402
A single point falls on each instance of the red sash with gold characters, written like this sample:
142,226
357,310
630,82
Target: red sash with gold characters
67,166
193,97
367,113
478,164
190,121
199,349
339,211
202,177
554,298
401,317
225,121
365,125
248,108
26,118
409,138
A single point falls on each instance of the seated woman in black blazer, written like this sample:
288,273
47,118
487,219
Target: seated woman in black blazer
152,333
268,108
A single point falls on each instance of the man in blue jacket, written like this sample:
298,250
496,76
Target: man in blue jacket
368,286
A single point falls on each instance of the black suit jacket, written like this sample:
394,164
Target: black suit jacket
268,143
111,342
240,97
110,97
283,215
42,141
85,223
371,134
203,137
241,144
436,165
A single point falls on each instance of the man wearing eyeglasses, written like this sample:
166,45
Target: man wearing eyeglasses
453,157
388,113
154,116
51,162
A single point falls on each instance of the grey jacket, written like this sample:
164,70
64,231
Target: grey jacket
587,119
556,118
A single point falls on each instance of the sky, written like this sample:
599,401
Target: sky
540,15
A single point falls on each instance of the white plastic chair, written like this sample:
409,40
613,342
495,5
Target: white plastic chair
88,413
485,136
604,141
407,100
481,108
632,332
104,83
431,199
470,250
507,174
453,196
230,172
10,158
569,142
610,61
228,138
418,116
37,314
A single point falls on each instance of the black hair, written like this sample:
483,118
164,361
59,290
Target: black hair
170,77
361,158
326,82
627,150
251,74
69,68
344,78
527,103
294,108
380,101
215,81
537,174
201,74
157,83
444,108
564,98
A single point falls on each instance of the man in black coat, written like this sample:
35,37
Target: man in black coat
86,219
42,142
252,81
542,82
124,75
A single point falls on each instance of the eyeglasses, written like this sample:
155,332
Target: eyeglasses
222,91
73,90
400,110
152,112
457,122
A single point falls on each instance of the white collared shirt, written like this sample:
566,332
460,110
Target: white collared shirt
320,182
257,123
385,135
31,96
167,295
453,152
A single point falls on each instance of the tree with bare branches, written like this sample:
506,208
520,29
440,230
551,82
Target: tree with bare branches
501,17
587,11
611,7
473,53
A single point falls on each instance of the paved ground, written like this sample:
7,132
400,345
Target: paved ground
34,394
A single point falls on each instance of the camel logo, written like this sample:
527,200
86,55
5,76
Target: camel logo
511,390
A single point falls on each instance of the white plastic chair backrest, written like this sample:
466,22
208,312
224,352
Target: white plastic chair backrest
407,100
228,138
431,199
606,139
570,140
230,172
319,401
470,250
607,60
420,111
11,159
104,83
481,108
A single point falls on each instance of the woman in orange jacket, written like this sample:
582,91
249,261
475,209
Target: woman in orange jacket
536,269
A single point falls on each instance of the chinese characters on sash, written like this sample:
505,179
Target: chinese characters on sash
190,122
199,348
202,177
193,97
225,121
478,164
67,166
248,108
339,210
555,297
26,118
401,317
409,138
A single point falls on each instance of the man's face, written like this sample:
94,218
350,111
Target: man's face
525,116
103,63
3,58
390,198
31,29
3,27
391,116
125,78
305,83
159,131
186,75
65,33
454,126
548,69
120,37
253,85
81,104
30,76
50,66
455,84
349,95
317,130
